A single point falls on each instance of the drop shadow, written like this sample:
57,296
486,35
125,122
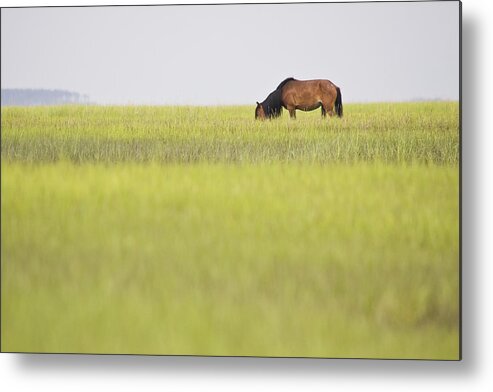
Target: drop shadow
256,367
470,191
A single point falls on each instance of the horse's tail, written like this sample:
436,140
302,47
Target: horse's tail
338,103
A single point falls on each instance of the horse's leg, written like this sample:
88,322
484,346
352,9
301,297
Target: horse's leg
328,102
332,102
327,108
324,112
292,113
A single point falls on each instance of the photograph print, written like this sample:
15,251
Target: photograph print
246,180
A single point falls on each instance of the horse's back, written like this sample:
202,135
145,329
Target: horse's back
311,86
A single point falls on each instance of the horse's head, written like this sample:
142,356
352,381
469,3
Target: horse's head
259,112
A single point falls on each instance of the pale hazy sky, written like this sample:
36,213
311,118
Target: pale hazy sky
234,54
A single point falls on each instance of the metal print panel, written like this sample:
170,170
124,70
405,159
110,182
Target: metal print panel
269,180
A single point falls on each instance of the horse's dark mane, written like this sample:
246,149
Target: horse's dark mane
284,82
273,103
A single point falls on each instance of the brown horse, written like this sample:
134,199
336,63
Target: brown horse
304,95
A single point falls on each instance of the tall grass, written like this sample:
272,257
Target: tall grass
273,260
393,133
200,231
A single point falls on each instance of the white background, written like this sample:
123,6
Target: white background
473,373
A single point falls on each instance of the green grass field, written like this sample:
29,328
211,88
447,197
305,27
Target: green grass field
182,230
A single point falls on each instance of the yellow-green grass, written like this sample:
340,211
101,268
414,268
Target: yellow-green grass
394,133
280,253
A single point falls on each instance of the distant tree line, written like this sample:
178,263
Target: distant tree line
33,97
